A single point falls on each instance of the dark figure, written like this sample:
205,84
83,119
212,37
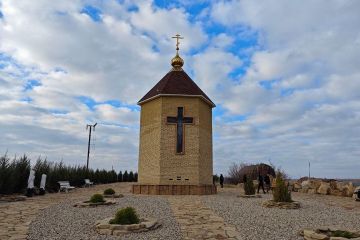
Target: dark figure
267,183
214,180
261,183
29,192
244,178
42,191
221,180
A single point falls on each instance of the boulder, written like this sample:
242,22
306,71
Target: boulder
340,185
324,188
336,192
311,184
296,186
348,189
303,190
312,191
305,185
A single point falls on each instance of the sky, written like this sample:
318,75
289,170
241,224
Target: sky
285,76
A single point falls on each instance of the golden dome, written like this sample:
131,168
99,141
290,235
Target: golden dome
177,62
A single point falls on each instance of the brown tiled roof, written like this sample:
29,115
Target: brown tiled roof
176,83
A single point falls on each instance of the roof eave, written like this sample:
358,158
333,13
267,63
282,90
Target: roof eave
212,105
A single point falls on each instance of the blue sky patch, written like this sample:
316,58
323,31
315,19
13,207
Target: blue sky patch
30,84
287,92
267,84
91,103
58,112
26,99
133,8
93,12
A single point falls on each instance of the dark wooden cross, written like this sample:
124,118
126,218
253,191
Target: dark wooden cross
180,120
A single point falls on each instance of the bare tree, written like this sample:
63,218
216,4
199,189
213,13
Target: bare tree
234,174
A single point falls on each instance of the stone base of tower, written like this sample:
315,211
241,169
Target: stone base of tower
174,189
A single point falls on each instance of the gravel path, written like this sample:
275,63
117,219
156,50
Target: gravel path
63,221
256,222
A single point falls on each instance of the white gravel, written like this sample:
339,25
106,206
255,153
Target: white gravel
63,221
256,222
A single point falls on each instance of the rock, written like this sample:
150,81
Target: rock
103,226
116,227
319,236
104,231
324,188
133,227
334,184
296,187
312,235
312,191
150,224
311,184
340,185
336,192
348,189
308,232
305,184
303,190
355,195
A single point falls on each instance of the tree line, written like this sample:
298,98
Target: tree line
14,174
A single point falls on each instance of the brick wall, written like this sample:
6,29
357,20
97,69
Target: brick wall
158,161
149,147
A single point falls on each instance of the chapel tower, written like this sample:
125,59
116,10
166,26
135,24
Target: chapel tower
175,151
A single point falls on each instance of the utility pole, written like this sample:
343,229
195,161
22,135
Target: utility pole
88,153
309,170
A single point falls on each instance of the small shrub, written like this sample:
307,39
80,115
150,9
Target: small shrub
125,216
97,198
281,192
109,191
249,187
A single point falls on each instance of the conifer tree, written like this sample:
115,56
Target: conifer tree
120,177
125,177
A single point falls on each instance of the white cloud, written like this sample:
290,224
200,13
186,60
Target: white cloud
309,112
297,94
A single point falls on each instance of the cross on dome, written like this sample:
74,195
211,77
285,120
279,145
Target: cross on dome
177,36
177,62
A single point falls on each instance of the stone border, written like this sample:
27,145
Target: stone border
90,204
249,196
104,227
323,234
281,205
174,189
113,195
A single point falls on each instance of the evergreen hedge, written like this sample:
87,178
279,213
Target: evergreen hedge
14,174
